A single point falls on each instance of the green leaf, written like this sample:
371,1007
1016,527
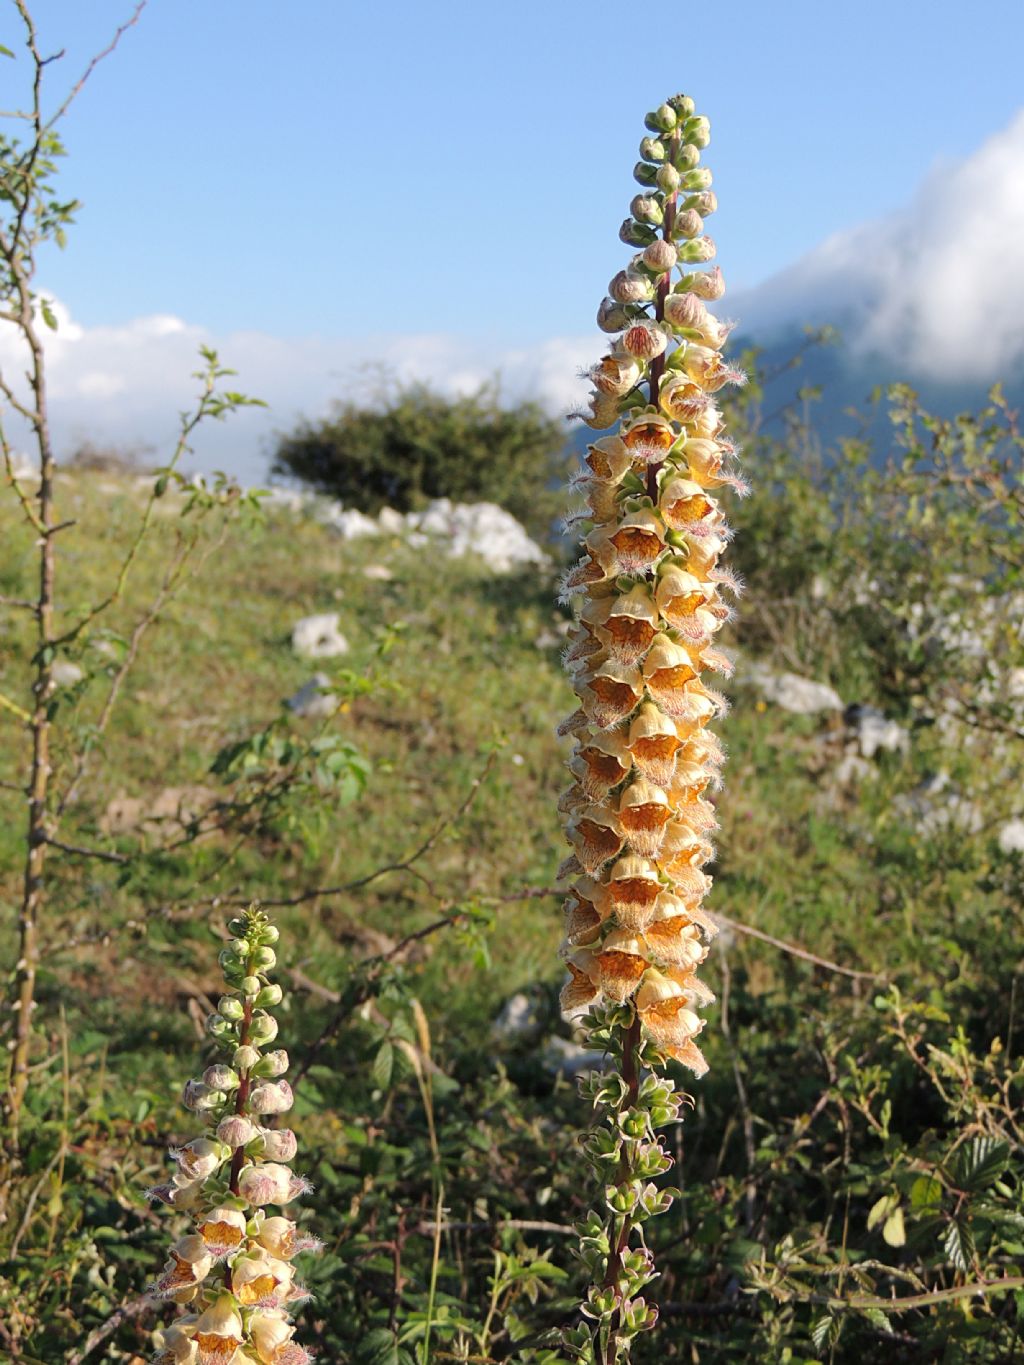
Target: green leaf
383,1065
49,316
981,1162
894,1233
5,51
925,1191
880,1210
379,1347
958,1245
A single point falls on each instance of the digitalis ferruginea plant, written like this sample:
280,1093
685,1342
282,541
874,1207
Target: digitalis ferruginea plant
233,1271
638,815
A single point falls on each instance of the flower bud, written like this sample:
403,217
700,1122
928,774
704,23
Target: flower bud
636,234
689,223
704,203
230,1007
279,1144
697,132
251,986
661,256
245,1059
684,310
645,173
685,158
236,1130
218,1027
271,1097
629,286
265,959
270,935
611,316
683,105
643,339
668,178
697,179
268,1183
652,149
646,209
193,1095
220,1077
706,284
700,249
269,995
273,1063
263,1028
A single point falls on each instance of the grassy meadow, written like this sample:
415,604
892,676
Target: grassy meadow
863,1048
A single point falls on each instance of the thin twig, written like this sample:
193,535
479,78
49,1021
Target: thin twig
128,1312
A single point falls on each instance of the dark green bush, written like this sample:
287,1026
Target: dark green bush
414,444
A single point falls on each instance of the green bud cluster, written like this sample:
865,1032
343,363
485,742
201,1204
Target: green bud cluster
233,1271
631,1101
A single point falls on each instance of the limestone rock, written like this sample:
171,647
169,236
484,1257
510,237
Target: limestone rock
318,637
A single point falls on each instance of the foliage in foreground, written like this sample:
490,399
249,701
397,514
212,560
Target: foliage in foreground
859,1135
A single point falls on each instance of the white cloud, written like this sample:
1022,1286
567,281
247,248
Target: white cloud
937,286
124,385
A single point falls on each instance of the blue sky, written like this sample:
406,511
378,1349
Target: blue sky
358,172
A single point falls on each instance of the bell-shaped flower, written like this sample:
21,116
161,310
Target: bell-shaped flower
619,965
283,1239
199,1158
676,940
261,1281
600,764
631,623
596,835
684,504
219,1332
609,458
633,887
683,401
579,992
188,1265
222,1230
615,374
667,671
707,368
638,541
653,744
649,437
582,916
644,812
609,692
664,1007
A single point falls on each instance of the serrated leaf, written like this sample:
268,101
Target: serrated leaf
958,1245
893,1232
379,1347
383,1065
878,1319
981,1161
820,1331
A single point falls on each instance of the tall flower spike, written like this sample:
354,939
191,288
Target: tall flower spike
643,760
233,1270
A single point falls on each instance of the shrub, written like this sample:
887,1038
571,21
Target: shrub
414,444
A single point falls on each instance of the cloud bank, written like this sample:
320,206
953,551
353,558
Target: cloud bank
936,288
123,386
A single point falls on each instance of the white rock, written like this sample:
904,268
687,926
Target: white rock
566,1058
518,1019
311,702
349,523
285,500
392,523
1011,837
318,637
802,696
873,730
480,528
65,673
935,806
379,572
852,769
